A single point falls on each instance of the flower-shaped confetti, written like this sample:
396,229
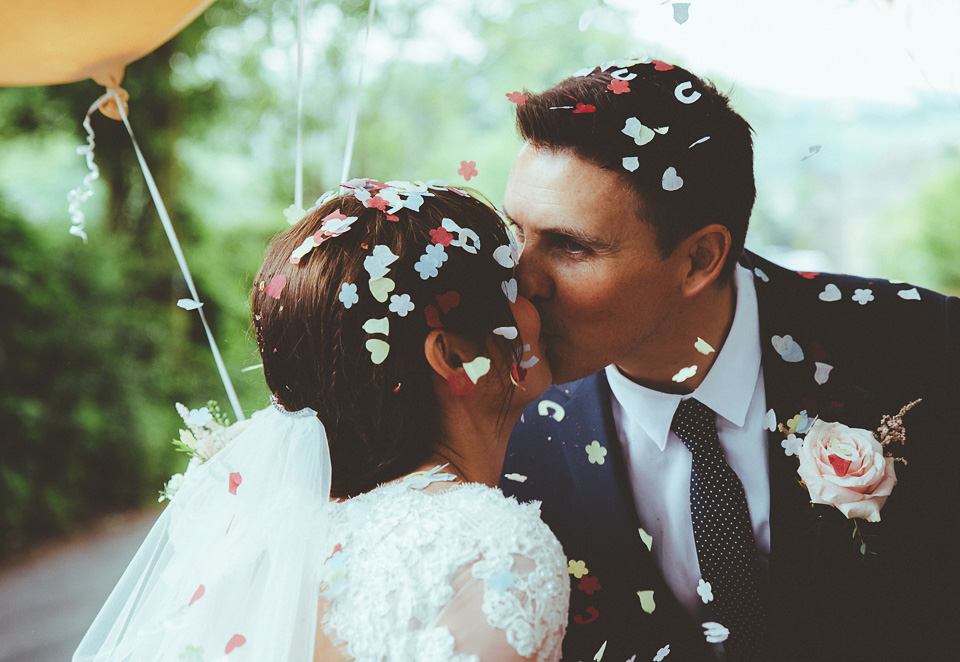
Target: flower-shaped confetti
863,296
468,169
348,295
518,98
589,584
618,86
577,568
596,453
428,266
705,591
441,236
791,445
400,304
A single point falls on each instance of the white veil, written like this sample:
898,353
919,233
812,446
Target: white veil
229,571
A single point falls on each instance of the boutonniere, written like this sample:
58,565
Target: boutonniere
851,469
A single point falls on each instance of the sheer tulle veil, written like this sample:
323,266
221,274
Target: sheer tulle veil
230,569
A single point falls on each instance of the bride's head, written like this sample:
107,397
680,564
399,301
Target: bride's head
381,307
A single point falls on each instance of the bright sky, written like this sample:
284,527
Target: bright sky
881,50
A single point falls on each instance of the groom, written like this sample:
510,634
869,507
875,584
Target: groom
691,375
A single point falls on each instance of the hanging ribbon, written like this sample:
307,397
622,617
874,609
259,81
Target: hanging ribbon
177,251
82,193
355,113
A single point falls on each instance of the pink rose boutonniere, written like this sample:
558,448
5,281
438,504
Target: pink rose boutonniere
852,469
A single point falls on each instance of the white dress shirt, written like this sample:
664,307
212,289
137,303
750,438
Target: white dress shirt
659,463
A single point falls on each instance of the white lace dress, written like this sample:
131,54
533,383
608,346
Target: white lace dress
460,574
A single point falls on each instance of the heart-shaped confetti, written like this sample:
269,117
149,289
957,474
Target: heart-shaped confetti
276,285
504,257
640,133
830,293
448,301
703,347
551,409
508,332
822,373
197,594
909,295
509,288
379,349
647,603
787,348
770,421
583,108
236,641
381,325
477,368
631,163
233,482
671,181
381,288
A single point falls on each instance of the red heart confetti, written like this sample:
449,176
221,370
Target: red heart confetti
618,86
593,613
236,641
441,236
448,301
433,317
839,464
468,169
460,383
197,595
518,98
583,108
809,275
276,285
660,65
589,584
235,480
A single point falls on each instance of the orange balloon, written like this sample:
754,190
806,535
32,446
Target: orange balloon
43,42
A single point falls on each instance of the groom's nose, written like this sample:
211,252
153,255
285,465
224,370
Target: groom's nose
533,280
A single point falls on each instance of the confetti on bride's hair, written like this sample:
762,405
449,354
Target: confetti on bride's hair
641,133
275,287
477,368
348,294
662,653
671,181
379,349
519,478
618,86
508,332
631,163
518,98
704,347
381,287
468,169
715,633
685,93
685,374
381,325
698,142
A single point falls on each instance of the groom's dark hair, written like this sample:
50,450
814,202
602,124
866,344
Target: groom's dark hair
707,144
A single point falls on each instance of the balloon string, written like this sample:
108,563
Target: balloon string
82,193
181,260
352,130
298,184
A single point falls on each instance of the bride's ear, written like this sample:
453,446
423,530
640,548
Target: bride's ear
446,352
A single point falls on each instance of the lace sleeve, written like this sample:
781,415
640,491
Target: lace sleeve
506,610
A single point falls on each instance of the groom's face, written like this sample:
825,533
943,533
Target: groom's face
590,265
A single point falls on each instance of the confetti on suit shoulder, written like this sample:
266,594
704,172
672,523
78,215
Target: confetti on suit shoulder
519,478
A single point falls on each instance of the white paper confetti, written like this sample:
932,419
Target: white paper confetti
189,304
830,293
684,374
519,478
381,325
787,348
477,368
862,296
631,163
685,93
599,655
551,409
909,295
715,633
822,373
704,347
647,603
761,275
671,181
509,288
646,538
770,421
508,332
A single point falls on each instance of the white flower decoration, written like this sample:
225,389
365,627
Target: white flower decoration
863,297
348,294
791,445
400,304
705,591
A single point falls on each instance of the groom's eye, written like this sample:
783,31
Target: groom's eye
571,246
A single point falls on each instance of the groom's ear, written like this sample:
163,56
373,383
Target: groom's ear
447,352
706,251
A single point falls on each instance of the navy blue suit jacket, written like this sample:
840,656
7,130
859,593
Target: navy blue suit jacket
826,600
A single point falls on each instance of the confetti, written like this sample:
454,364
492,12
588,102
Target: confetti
822,373
909,295
681,12
468,169
599,654
791,445
509,288
660,65
685,93
189,304
830,293
477,368
519,478
551,409
684,374
526,364
293,214
504,257
592,616
441,236
577,568
377,264
787,348
348,294
813,150
646,538
448,301
618,86
381,287
704,347
715,633
698,142
379,349
400,304
770,420
508,332
641,133
589,585
381,325
583,108
236,641
761,275
197,594
234,481
631,163
662,653
518,98
276,285
460,383
647,603
705,591
596,454
671,181
862,296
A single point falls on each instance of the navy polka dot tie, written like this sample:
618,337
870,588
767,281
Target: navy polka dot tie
722,531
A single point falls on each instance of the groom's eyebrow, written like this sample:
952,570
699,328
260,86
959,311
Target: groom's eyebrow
570,233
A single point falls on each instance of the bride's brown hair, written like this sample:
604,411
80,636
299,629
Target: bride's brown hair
382,420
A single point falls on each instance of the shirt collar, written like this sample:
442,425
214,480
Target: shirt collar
727,389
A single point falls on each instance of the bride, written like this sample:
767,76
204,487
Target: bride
358,518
